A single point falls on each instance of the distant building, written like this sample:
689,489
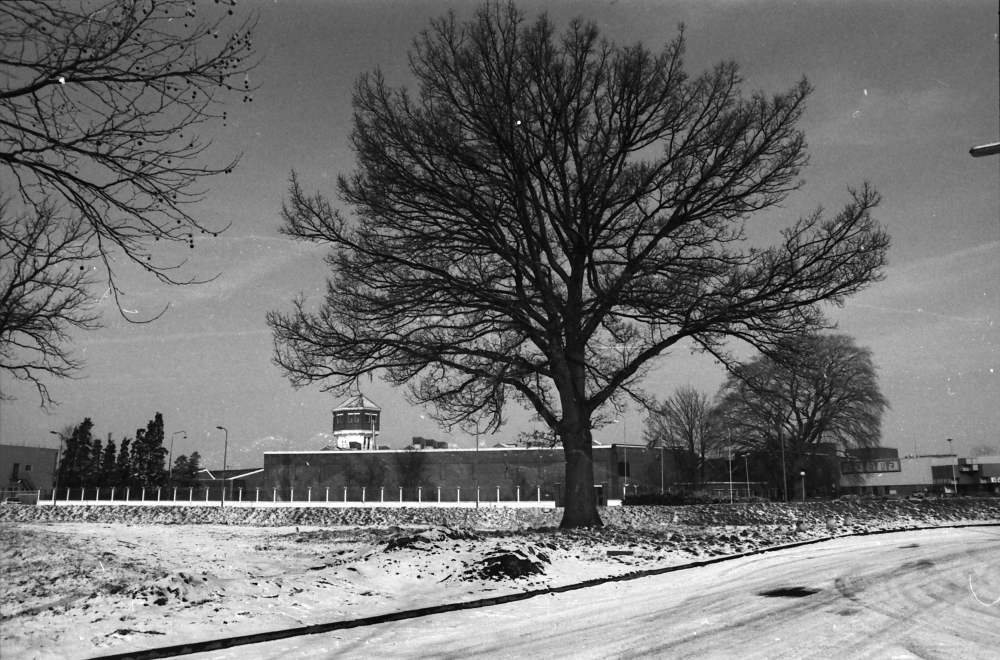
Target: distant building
356,423
511,471
27,468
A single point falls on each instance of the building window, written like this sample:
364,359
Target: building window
624,469
17,467
340,418
27,468
353,418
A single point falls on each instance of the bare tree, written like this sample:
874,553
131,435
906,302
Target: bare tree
101,103
684,423
824,391
546,215
45,273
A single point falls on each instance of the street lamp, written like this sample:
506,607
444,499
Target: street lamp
803,474
58,458
170,462
954,481
225,451
729,449
746,467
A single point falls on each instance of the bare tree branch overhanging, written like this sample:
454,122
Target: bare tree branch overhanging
823,391
546,215
46,271
101,104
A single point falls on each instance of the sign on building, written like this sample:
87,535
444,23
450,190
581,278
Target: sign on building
865,467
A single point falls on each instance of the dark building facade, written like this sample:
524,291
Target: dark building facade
505,473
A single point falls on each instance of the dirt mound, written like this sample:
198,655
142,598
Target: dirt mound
179,586
508,563
429,539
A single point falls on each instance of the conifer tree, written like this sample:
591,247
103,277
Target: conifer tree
149,454
93,477
123,465
180,471
76,456
108,469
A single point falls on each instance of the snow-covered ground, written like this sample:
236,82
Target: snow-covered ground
78,582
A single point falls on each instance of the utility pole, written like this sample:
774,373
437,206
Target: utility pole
225,451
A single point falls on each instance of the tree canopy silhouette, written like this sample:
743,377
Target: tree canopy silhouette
546,215
823,391
103,106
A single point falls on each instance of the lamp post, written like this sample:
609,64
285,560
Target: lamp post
784,472
170,461
746,467
954,481
729,450
803,475
58,459
225,451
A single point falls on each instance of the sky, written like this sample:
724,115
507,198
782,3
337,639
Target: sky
903,90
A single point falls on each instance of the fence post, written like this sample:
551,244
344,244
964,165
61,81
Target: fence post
458,493
142,496
275,495
291,494
539,493
381,493
112,493
518,493
498,493
206,493
53,497
345,493
127,490
400,493
175,493
327,493
477,494
420,492
439,494
157,493
309,494
240,494
190,493
256,497
97,497
362,494
82,491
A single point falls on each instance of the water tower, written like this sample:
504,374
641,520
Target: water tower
356,420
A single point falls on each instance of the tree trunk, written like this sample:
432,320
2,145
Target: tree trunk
578,497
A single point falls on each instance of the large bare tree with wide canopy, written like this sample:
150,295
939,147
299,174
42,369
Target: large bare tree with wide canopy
548,214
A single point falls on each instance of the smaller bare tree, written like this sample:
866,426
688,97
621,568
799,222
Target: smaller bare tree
44,279
684,423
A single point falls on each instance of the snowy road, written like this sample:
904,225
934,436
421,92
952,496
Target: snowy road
927,594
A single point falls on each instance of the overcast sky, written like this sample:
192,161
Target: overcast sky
903,90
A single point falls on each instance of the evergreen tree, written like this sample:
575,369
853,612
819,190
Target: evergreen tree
194,466
108,466
180,471
123,466
76,456
149,454
94,477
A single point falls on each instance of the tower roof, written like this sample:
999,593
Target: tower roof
357,402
